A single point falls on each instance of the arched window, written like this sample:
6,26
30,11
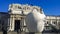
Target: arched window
28,8
54,22
19,7
24,8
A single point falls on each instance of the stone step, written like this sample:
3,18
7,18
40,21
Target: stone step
1,32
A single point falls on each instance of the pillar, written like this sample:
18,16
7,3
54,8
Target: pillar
11,24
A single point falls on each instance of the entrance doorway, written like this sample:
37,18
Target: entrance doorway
17,25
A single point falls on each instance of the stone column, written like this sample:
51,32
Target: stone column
12,24
58,24
51,21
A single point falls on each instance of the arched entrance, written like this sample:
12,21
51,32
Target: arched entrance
17,25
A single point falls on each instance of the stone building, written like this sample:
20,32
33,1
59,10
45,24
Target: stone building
52,19
15,18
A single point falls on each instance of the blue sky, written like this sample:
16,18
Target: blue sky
50,7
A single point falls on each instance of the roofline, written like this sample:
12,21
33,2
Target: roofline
46,15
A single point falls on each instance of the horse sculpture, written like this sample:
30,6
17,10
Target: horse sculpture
35,21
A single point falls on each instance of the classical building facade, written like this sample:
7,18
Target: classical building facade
15,18
52,19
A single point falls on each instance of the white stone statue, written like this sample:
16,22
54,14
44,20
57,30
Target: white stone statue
35,21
